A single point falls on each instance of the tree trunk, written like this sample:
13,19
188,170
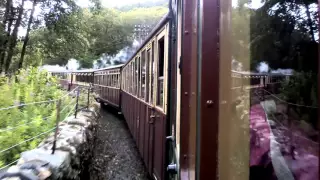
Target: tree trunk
310,22
13,38
26,39
6,19
5,44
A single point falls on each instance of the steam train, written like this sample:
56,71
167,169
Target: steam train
177,92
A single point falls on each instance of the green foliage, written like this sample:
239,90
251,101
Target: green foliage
21,123
146,16
87,34
147,4
107,33
280,33
302,89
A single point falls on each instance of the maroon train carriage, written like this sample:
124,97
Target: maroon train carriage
106,84
178,92
64,78
144,98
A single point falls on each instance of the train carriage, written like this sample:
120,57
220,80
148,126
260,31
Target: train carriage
181,100
144,97
106,84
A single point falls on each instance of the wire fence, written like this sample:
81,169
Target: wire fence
27,132
292,124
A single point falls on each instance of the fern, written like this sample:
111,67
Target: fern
29,85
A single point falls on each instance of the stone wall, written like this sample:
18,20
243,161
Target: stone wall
74,148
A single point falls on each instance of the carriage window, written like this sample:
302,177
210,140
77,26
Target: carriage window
138,71
117,81
147,75
152,74
160,72
111,80
272,130
135,78
143,74
127,78
132,78
108,79
124,77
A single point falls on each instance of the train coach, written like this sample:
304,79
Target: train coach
181,99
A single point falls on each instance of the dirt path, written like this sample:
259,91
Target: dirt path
116,155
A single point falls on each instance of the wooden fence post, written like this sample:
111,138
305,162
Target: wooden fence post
57,126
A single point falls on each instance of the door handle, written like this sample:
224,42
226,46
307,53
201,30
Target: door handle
151,120
172,168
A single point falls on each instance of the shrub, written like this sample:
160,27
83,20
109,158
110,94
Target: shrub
302,89
21,123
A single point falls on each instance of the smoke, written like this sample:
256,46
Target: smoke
122,57
263,67
236,65
73,64
283,71
53,68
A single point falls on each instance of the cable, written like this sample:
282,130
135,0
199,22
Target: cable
296,134
20,105
314,107
4,150
3,167
69,112
39,102
9,129
286,128
63,121
67,106
70,92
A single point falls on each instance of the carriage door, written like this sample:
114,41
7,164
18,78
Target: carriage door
173,138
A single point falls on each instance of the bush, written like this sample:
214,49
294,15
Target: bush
21,123
302,89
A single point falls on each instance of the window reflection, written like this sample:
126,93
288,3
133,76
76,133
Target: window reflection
274,89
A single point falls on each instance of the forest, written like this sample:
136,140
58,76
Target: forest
282,34
38,32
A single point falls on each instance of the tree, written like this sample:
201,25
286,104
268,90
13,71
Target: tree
283,37
8,19
26,38
62,31
14,36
